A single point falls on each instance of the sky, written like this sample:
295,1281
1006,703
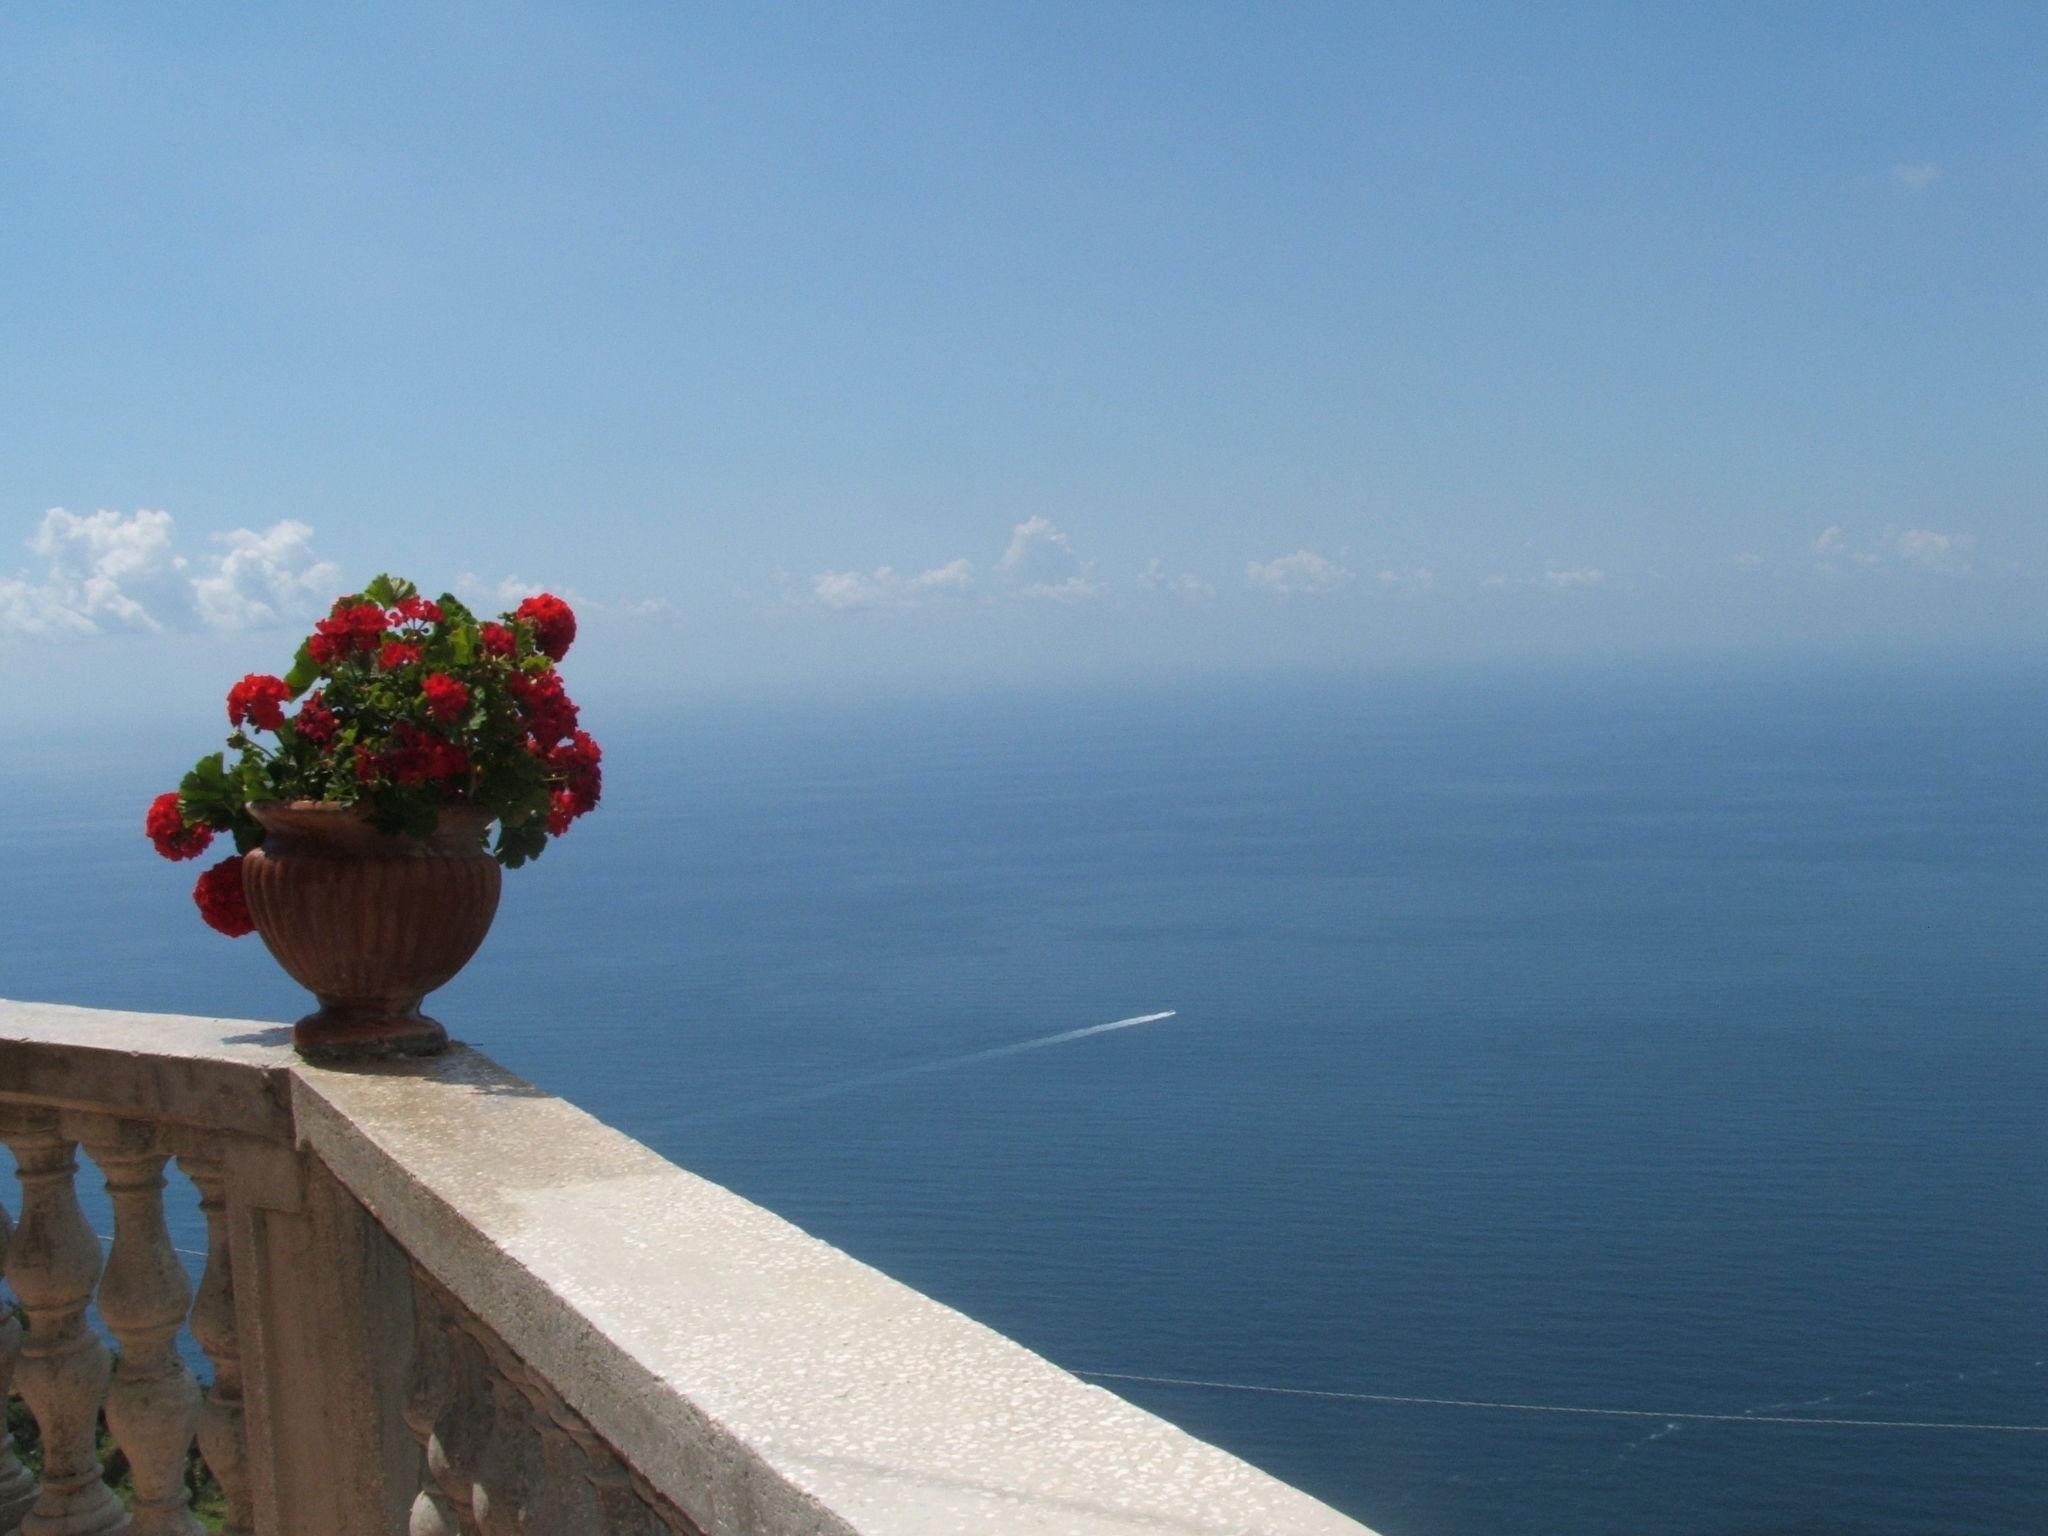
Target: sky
869,349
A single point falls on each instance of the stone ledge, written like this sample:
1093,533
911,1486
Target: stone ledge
767,1383
213,1074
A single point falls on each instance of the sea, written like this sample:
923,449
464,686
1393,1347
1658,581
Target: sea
1605,1103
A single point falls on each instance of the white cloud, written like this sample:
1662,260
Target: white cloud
1582,576
95,566
1185,585
264,578
1041,563
1419,578
1078,588
1301,574
1837,553
1749,559
886,588
1916,175
1554,579
649,610
494,596
37,608
1927,550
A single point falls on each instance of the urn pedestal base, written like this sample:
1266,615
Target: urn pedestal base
337,1031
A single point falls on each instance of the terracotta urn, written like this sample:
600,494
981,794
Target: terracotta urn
369,922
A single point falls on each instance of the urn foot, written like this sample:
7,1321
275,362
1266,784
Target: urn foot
344,1032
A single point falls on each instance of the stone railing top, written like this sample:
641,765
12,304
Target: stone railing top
765,1382
215,1074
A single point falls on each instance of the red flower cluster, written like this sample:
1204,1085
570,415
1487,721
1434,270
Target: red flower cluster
554,625
175,838
259,699
447,698
221,900
316,722
577,760
549,712
408,707
350,627
414,757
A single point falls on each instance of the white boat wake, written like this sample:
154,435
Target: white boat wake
862,1080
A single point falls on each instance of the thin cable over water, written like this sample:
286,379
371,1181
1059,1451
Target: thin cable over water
1604,1413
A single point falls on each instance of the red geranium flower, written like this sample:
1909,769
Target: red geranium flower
221,901
445,760
395,654
561,811
577,761
175,838
498,640
550,713
350,627
447,698
578,754
554,625
417,610
260,700
316,722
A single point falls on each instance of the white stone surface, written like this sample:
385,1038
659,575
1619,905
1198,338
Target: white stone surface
217,1074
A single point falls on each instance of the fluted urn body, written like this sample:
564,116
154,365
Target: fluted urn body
369,922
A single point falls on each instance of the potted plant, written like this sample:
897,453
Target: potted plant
361,817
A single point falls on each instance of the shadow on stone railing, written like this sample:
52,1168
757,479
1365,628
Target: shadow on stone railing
440,1301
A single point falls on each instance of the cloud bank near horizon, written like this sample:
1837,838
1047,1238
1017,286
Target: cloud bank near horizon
108,572
114,571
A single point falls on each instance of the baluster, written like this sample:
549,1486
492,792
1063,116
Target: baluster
221,1436
509,1473
426,1399
462,1428
52,1264
567,1499
17,1487
153,1404
622,1509
554,1490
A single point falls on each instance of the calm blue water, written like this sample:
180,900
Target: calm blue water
1672,1043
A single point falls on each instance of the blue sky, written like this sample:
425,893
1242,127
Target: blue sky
869,347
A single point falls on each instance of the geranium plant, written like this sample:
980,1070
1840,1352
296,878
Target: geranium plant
400,706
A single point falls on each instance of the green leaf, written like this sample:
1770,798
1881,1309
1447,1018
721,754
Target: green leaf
305,671
519,842
248,834
206,796
387,590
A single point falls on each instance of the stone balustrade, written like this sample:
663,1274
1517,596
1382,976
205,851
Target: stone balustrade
439,1301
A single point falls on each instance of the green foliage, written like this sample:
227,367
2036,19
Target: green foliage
404,709
389,591
305,671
